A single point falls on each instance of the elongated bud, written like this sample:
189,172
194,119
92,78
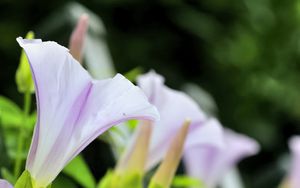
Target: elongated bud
77,38
166,171
135,160
23,75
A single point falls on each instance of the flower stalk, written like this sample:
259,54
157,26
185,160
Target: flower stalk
20,146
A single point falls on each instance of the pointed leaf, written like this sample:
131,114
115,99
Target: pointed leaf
6,174
10,113
79,171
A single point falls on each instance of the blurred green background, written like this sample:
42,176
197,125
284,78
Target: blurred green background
245,53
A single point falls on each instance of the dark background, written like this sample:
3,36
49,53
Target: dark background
245,53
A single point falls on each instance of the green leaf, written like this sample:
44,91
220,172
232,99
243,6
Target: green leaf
186,181
6,174
64,182
132,124
4,161
10,113
106,180
8,105
133,74
80,172
23,75
24,181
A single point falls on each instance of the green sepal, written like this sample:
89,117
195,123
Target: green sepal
24,180
23,75
153,184
106,180
133,180
115,180
187,181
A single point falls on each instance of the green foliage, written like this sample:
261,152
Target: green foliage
186,182
7,175
133,74
106,180
10,113
181,181
63,182
79,171
155,185
132,124
12,120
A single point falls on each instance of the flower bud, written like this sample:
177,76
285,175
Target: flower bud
135,160
167,169
23,75
77,38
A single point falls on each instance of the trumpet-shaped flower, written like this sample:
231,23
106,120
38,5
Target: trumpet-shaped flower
293,180
209,164
5,184
174,108
73,109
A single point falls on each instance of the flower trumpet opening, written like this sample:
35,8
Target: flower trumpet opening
165,172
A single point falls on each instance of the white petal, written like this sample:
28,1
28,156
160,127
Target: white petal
73,109
209,164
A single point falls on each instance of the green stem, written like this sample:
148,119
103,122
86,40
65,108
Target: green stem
19,158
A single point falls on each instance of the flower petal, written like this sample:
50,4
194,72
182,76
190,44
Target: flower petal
174,108
5,184
294,176
210,163
210,134
73,109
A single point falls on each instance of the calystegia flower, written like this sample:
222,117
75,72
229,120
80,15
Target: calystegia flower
210,164
73,108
